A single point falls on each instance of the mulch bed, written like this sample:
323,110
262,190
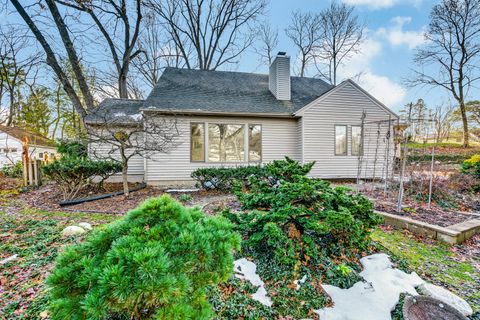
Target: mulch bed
47,197
435,215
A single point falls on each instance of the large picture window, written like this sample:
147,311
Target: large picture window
340,140
254,143
226,142
219,142
197,146
357,149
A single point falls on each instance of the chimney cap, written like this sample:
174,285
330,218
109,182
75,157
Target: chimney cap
281,53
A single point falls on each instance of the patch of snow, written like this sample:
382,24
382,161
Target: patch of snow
119,114
9,259
299,282
136,116
375,298
247,270
447,297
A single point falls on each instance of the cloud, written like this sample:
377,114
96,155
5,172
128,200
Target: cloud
397,36
380,4
359,68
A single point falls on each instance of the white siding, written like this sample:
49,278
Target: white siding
100,150
344,106
7,141
279,139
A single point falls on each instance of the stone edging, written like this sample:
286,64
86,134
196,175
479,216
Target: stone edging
454,234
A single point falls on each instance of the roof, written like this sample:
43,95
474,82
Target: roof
116,110
228,92
33,138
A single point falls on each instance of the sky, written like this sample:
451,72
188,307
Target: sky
394,29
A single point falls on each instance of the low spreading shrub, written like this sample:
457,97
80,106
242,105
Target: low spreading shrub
224,179
155,263
14,171
72,174
298,219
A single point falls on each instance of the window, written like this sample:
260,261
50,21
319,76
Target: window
340,140
197,144
219,142
357,148
226,142
254,143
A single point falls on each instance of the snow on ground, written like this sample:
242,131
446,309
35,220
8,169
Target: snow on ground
247,270
374,298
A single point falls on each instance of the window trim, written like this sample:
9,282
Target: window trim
246,128
360,147
204,142
335,140
261,142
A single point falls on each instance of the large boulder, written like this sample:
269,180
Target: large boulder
72,231
445,296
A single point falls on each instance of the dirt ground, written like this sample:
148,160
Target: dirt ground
47,197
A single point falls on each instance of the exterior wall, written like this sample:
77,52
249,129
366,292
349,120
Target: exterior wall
344,106
102,151
279,139
7,141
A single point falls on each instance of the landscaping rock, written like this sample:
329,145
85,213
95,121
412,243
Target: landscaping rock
85,225
445,296
9,259
72,231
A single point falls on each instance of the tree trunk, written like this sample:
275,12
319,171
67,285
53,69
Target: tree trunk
463,111
125,179
124,170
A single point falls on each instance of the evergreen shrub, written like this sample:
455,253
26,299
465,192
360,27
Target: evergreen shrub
157,262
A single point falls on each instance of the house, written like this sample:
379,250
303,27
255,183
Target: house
234,118
12,140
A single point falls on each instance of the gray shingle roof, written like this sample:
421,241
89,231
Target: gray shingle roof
222,91
117,110
211,91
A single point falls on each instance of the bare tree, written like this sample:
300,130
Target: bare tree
342,34
158,51
108,16
305,32
209,33
452,51
131,136
16,64
83,99
443,121
268,39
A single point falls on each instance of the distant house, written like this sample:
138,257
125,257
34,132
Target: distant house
12,140
234,118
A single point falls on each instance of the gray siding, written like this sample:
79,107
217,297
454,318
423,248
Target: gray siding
343,106
279,139
102,151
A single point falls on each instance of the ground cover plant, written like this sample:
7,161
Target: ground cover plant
295,227
35,237
155,263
